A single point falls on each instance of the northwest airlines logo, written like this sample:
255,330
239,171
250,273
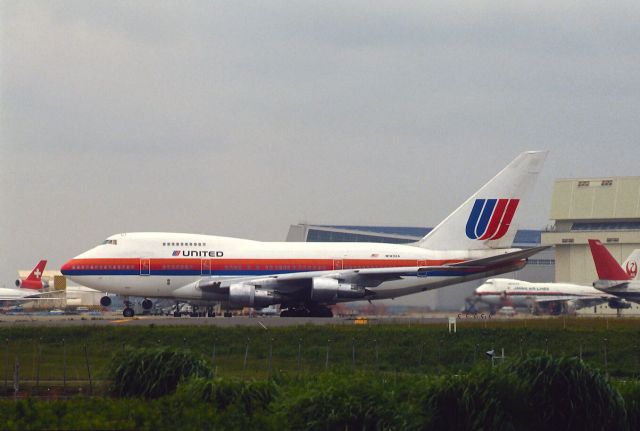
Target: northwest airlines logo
490,218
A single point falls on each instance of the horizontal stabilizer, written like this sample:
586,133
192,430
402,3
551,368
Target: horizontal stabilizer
502,258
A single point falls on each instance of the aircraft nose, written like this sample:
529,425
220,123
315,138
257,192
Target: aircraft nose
66,268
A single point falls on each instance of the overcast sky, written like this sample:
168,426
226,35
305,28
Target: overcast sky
241,118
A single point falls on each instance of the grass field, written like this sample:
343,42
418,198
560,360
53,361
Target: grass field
611,345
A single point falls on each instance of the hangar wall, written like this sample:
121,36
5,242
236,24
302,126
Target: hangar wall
607,209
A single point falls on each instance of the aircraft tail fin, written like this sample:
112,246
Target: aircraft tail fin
34,280
486,219
631,264
607,266
36,274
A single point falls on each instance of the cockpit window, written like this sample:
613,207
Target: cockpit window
111,241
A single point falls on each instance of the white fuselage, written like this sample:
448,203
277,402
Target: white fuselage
629,290
517,293
158,264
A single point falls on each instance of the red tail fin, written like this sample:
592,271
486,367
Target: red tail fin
34,280
607,266
36,274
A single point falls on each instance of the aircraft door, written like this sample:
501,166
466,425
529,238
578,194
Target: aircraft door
337,264
145,266
206,267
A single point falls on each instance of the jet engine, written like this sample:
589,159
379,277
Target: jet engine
619,304
327,290
246,295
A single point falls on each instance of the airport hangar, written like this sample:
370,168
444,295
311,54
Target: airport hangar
607,209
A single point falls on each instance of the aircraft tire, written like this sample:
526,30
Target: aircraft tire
128,312
227,314
176,314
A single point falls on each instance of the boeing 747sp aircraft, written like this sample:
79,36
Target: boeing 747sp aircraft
475,241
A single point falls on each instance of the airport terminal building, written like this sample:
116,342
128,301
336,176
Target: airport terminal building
540,267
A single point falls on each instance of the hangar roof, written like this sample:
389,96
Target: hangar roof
596,199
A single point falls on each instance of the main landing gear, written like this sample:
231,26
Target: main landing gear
128,310
315,311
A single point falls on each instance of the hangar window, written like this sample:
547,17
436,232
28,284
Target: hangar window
613,239
567,240
583,183
606,183
614,225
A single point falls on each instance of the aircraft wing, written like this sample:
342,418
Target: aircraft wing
366,277
556,298
33,297
502,258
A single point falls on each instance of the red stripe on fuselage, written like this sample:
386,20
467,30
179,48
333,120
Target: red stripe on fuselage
257,264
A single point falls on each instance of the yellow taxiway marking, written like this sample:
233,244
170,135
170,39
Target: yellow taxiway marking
121,321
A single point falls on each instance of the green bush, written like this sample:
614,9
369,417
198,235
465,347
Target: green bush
528,394
154,372
630,391
341,401
485,398
223,393
565,393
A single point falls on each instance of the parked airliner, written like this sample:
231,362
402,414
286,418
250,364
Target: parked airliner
472,242
30,287
553,298
621,281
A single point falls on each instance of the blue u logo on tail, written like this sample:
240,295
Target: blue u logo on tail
490,218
